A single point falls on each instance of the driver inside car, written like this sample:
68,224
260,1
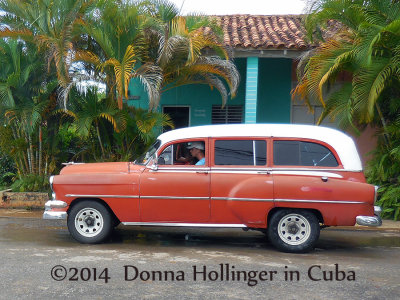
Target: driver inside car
197,151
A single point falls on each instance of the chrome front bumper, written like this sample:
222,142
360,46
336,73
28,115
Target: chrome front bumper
371,221
54,215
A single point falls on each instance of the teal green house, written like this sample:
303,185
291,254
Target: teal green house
265,51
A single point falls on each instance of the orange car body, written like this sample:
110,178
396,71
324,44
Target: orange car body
331,183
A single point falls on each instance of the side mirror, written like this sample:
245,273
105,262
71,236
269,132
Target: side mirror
153,167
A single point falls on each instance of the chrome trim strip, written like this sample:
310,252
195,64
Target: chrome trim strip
217,198
315,169
307,173
254,153
242,199
54,215
102,196
319,201
274,172
252,169
174,197
184,224
286,200
182,168
376,193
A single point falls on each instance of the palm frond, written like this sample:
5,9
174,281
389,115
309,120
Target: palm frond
151,77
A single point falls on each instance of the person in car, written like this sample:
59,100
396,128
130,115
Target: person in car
197,151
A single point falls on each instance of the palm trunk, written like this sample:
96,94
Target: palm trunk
384,125
20,158
31,154
40,151
99,138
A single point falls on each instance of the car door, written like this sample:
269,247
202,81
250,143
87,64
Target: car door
241,183
307,174
175,191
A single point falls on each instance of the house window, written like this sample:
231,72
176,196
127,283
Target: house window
180,116
297,153
240,152
301,114
230,114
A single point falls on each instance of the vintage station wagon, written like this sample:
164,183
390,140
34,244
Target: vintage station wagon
285,180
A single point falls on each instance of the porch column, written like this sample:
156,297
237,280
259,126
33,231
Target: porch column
250,116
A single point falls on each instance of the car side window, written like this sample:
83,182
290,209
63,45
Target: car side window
165,157
186,153
299,153
240,152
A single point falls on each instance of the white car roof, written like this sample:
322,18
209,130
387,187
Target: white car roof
342,143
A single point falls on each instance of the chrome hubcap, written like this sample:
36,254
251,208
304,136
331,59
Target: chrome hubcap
294,229
89,222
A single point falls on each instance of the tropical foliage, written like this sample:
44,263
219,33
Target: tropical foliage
177,45
49,49
360,39
25,96
384,171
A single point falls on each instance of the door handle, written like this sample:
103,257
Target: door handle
201,172
324,178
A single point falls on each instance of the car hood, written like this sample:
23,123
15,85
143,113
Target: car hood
105,167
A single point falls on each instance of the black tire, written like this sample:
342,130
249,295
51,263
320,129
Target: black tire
90,222
293,230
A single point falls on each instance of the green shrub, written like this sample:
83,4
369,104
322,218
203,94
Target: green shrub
7,170
384,170
31,183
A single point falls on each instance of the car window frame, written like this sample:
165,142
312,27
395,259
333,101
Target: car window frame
186,140
329,147
235,138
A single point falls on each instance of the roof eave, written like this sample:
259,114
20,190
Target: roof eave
268,53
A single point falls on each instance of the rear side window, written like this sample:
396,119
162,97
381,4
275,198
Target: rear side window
298,153
240,152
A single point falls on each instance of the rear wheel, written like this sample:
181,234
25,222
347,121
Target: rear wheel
293,230
90,222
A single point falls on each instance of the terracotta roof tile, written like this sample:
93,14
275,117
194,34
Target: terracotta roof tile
264,32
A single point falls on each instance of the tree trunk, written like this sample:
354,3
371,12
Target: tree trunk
385,131
100,142
40,151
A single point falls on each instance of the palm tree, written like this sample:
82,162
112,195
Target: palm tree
91,114
24,98
51,24
141,131
366,46
150,41
115,31
119,134
189,50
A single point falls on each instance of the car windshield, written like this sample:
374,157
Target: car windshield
143,159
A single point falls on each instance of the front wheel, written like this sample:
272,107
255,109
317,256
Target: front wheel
90,222
292,230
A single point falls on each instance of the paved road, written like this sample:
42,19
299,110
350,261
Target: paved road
165,263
